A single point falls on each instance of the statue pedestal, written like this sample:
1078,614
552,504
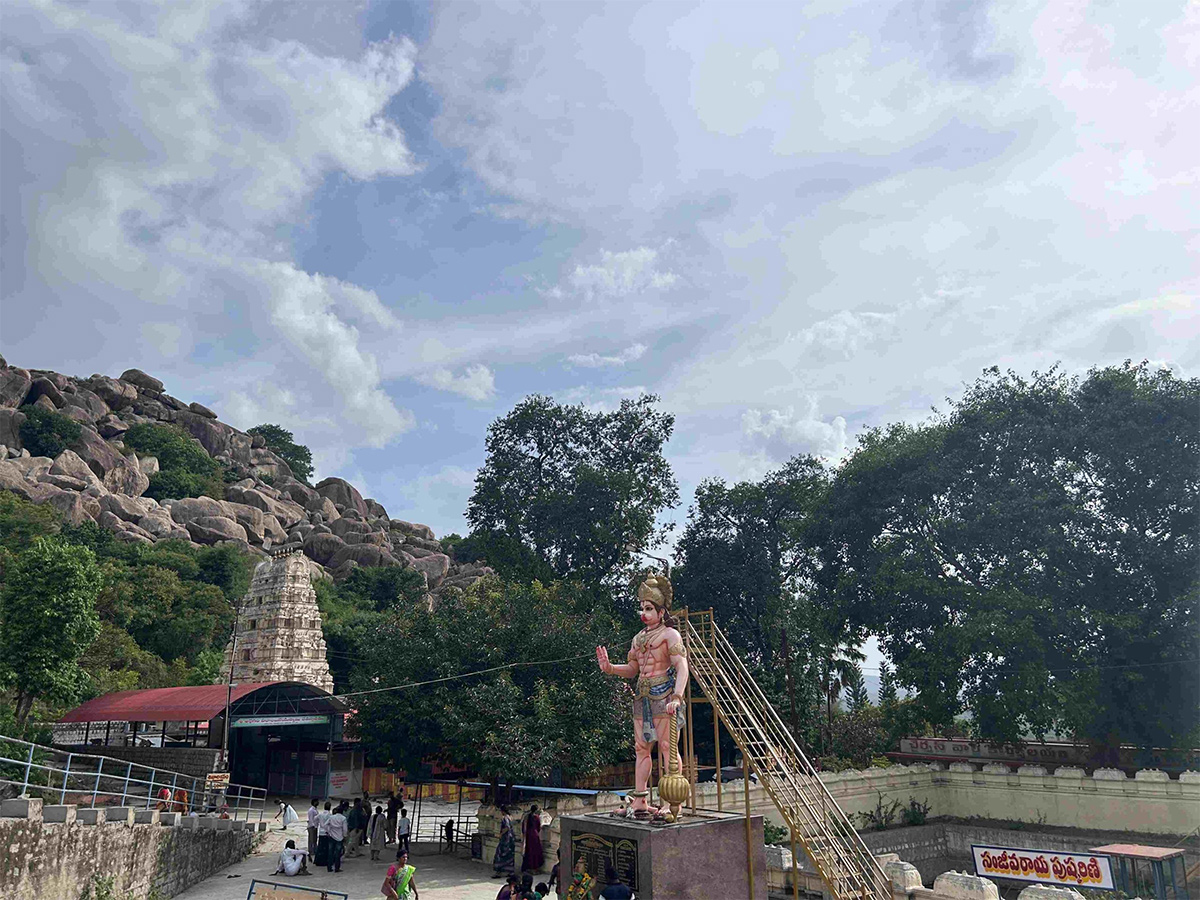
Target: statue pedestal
699,858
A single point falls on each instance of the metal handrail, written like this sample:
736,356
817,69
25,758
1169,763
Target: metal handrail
837,851
91,780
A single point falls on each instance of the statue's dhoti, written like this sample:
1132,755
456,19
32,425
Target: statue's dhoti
650,699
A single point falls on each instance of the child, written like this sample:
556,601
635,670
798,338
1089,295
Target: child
378,832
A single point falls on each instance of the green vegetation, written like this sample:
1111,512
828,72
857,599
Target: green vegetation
159,615
531,720
47,619
776,835
185,468
281,442
570,494
46,433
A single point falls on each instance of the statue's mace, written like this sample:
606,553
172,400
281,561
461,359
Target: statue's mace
673,787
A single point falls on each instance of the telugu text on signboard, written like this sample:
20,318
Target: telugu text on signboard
1087,870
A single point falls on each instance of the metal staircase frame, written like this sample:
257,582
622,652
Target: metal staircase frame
817,823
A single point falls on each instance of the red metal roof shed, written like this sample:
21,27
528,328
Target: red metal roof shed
174,704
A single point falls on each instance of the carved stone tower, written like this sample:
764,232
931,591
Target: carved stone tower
279,627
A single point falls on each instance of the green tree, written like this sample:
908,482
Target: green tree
185,468
888,695
528,721
1031,555
47,433
281,442
567,493
22,521
856,690
49,619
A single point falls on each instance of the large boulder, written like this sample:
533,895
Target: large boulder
249,517
142,380
68,503
33,466
44,387
201,410
421,531
343,494
344,525
324,506
216,437
212,529
189,508
111,427
131,509
14,385
66,482
119,474
71,464
435,566
295,490
287,512
10,426
273,530
158,523
148,465
13,479
323,547
375,509
117,394
82,398
364,555
378,538
411,540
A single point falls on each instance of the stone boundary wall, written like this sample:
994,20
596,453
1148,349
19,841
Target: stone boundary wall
198,761
54,851
1148,803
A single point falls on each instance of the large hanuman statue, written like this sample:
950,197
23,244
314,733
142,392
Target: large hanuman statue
657,660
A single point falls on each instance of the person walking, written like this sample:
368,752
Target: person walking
533,857
403,831
505,858
393,813
377,832
448,832
355,827
337,830
400,881
314,812
322,856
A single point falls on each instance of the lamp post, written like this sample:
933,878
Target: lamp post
237,614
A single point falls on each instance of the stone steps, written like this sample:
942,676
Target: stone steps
32,808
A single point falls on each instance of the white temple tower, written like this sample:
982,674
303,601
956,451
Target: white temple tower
279,627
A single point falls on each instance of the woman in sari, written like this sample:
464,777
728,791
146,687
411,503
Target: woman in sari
533,858
504,860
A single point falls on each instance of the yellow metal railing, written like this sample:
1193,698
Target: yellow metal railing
817,823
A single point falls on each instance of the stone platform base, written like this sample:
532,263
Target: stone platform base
699,858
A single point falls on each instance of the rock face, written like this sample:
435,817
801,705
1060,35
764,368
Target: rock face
99,479
278,633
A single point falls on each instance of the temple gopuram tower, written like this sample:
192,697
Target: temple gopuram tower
279,627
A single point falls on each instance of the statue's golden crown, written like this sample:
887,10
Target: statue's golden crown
657,589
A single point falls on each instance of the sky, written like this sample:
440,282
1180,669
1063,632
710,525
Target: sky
382,225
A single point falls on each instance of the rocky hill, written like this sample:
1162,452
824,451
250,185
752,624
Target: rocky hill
265,508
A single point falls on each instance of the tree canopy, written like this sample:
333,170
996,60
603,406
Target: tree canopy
1031,554
569,493
48,618
531,720
283,444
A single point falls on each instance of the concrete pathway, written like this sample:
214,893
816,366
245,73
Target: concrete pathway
439,877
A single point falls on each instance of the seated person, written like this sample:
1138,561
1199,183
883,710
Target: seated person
292,861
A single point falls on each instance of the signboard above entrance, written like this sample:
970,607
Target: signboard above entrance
1044,867
259,721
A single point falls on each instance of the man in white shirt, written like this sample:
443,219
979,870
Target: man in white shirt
336,829
292,861
403,830
314,812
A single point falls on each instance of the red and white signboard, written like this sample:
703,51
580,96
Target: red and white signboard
1087,870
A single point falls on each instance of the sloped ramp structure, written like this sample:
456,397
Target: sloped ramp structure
848,868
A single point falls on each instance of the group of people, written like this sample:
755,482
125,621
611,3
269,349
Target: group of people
578,887
532,856
339,832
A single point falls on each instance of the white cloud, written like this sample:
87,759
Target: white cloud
162,149
782,433
477,382
599,399
621,274
596,360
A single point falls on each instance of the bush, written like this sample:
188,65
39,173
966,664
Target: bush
185,468
281,442
883,815
916,813
46,433
775,835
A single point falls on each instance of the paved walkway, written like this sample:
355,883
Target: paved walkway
439,877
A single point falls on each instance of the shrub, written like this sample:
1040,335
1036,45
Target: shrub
883,815
281,442
916,813
775,835
46,433
185,468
